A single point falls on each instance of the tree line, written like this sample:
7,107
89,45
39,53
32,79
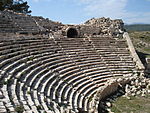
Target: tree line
19,6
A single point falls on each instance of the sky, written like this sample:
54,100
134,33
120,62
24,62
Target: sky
79,11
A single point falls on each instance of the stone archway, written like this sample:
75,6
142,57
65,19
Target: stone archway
72,33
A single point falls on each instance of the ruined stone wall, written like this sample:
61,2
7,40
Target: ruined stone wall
89,30
36,24
101,26
110,87
148,65
133,52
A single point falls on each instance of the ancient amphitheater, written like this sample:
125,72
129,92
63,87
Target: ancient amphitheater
49,67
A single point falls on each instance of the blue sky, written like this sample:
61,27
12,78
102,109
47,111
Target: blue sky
78,11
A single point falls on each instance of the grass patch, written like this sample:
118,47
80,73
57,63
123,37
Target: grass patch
134,104
115,109
147,49
147,56
144,35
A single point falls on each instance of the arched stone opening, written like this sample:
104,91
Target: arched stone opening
94,33
72,33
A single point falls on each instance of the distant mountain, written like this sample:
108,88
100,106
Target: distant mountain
138,27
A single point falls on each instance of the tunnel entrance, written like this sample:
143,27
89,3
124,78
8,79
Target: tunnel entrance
72,33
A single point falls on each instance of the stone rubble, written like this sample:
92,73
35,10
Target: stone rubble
139,86
108,26
96,27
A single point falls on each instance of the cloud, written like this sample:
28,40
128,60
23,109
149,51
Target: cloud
36,0
113,9
138,18
107,8
40,0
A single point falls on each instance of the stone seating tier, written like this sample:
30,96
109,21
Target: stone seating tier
14,23
55,74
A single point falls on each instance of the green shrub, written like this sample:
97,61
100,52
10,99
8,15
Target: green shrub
39,107
8,82
5,82
19,109
28,92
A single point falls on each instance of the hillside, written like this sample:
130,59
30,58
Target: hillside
141,42
138,27
140,35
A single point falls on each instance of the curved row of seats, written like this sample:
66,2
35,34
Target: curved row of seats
54,74
11,22
6,24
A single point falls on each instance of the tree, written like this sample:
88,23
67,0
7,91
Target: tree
5,4
16,5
